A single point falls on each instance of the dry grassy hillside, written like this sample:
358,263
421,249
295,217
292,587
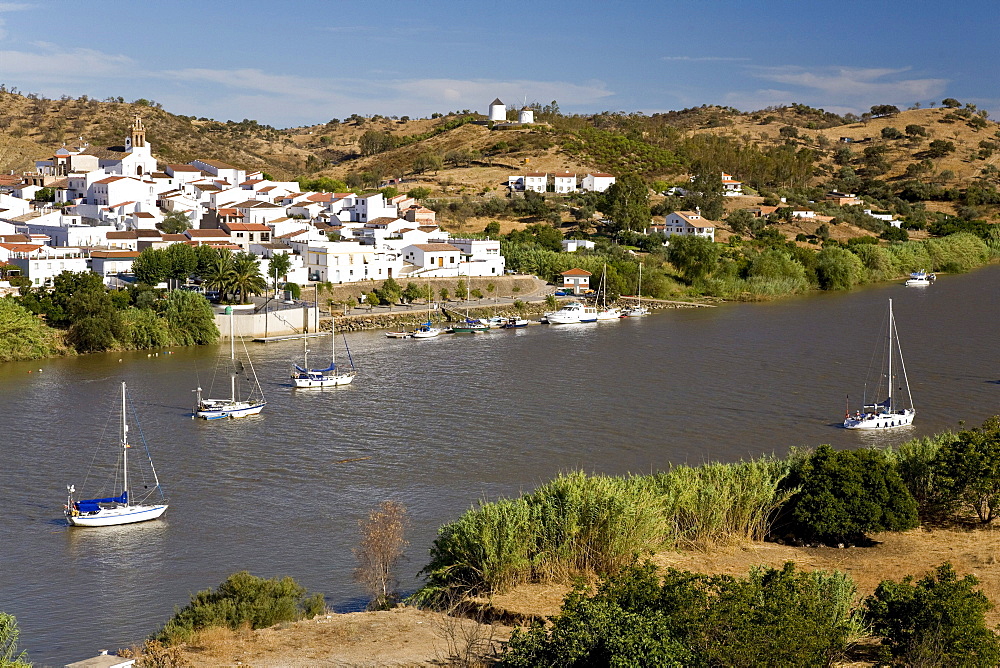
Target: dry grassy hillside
30,128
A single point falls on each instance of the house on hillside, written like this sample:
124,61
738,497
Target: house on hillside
597,182
564,183
536,181
688,223
730,186
577,280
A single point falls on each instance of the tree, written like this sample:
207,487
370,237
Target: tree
939,621
10,657
838,269
477,294
789,131
420,192
444,294
626,203
880,110
914,130
940,148
175,222
844,495
151,266
181,261
693,256
45,195
891,133
551,302
950,103
739,221
190,319
382,545
279,265
217,272
967,472
492,229
245,277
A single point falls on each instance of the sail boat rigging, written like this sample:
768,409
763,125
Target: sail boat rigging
470,325
604,313
234,406
115,510
331,376
888,413
637,310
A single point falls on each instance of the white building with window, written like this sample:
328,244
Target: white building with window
536,181
350,262
564,182
688,223
596,182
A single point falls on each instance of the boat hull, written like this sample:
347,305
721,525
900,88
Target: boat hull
881,421
635,312
426,333
107,517
220,410
916,282
609,315
323,381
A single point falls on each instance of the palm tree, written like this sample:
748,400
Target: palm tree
246,278
217,274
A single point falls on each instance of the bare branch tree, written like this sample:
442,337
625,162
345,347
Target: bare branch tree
382,544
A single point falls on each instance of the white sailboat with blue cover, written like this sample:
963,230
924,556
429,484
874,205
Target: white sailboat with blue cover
121,508
332,375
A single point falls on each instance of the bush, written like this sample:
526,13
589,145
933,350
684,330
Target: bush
838,269
939,621
772,617
967,472
23,336
293,288
242,599
842,496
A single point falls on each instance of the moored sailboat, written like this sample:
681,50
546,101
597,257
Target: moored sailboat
233,406
638,310
120,509
330,376
890,412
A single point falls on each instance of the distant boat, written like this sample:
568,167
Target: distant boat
605,314
426,331
919,279
234,406
572,313
514,323
887,413
331,376
398,335
116,510
470,325
638,310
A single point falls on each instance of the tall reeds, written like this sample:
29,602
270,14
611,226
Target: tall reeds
579,524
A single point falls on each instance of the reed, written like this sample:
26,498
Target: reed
580,524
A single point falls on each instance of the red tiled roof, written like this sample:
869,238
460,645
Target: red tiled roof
577,272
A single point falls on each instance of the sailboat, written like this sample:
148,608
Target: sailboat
637,310
604,313
469,325
234,406
115,510
331,376
889,413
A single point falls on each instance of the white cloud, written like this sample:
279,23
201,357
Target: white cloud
53,65
851,84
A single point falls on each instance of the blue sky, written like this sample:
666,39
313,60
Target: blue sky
293,62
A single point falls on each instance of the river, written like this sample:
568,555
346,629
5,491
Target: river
437,424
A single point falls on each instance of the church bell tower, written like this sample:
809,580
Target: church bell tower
138,136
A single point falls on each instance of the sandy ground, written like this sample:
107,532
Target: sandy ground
409,637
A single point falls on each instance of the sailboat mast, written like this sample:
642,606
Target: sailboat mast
333,340
890,354
232,356
124,446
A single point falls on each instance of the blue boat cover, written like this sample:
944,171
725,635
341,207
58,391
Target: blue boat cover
93,505
332,367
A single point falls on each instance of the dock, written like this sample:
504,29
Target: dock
289,337
666,302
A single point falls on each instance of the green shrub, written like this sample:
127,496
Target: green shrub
294,289
939,621
838,269
23,336
10,656
915,462
842,496
242,599
966,472
772,617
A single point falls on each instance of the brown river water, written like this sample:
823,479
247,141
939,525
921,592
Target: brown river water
437,425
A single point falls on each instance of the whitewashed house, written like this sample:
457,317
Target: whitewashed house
536,181
482,257
573,245
434,260
221,170
564,182
688,223
576,280
597,182
730,186
45,263
108,264
349,262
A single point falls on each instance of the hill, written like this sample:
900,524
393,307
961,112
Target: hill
919,155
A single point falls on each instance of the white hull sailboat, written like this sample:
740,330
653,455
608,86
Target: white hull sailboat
889,413
331,376
426,331
638,310
233,407
919,279
605,314
115,510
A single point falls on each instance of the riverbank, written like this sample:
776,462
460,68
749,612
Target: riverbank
411,637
